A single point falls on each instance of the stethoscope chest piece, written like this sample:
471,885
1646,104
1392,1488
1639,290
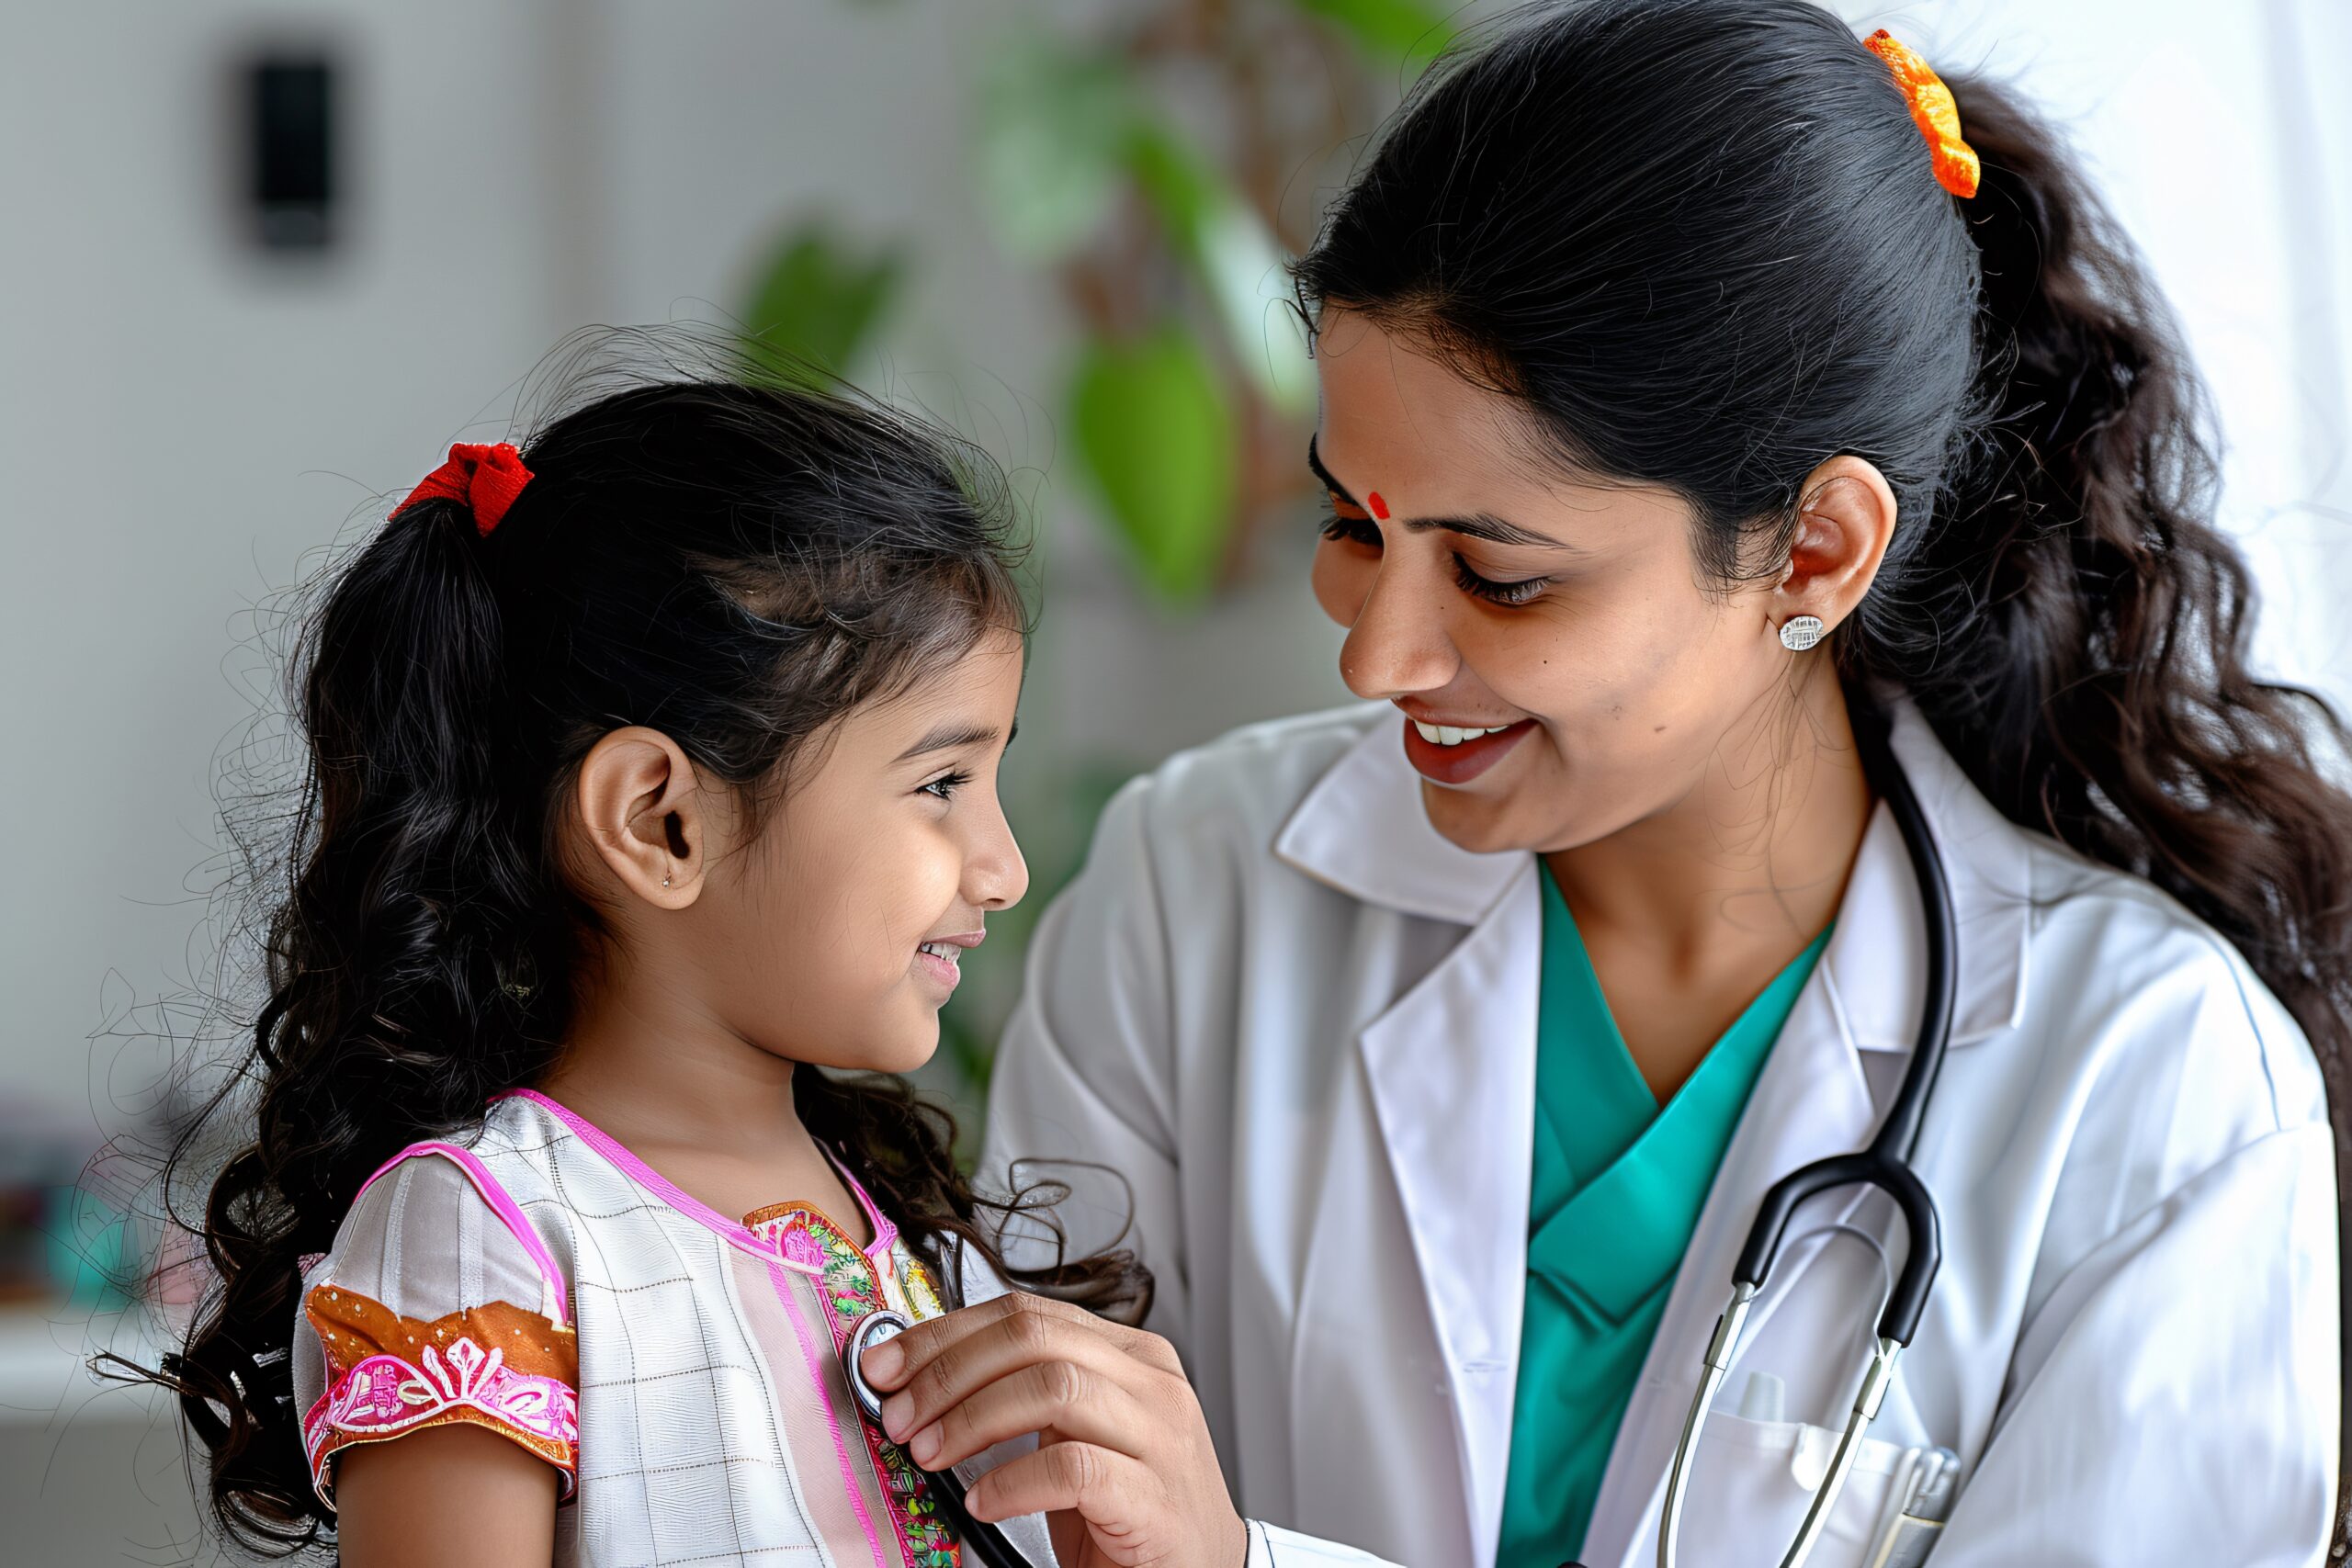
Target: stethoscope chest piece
984,1543
863,1335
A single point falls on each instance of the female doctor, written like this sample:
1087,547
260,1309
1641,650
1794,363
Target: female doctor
1448,1043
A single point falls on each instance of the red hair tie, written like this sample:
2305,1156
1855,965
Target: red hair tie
487,478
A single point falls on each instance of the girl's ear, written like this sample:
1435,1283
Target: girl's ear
645,815
1845,517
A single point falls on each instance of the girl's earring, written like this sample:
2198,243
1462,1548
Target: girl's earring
665,882
1799,632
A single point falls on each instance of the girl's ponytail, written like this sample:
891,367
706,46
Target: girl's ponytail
2084,647
2080,625
411,968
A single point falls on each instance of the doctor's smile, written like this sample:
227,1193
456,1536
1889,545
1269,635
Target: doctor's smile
1452,755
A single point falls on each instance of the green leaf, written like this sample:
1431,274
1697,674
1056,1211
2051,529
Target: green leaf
1233,252
816,303
1406,30
1053,124
1185,189
1153,429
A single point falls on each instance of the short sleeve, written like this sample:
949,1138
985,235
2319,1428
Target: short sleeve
436,1304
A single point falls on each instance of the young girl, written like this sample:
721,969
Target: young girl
652,770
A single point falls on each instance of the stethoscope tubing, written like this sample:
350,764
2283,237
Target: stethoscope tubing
1884,1165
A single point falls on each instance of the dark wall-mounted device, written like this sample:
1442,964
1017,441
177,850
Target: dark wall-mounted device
291,149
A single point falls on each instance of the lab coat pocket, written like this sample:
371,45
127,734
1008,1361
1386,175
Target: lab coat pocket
1753,1480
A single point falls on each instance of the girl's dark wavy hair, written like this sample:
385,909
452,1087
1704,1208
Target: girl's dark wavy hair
737,565
1701,242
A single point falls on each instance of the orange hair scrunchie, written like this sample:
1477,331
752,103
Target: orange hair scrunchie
1933,109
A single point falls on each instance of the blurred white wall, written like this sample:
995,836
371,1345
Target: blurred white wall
181,419
184,424
2224,141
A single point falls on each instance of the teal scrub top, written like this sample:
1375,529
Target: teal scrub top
1618,1185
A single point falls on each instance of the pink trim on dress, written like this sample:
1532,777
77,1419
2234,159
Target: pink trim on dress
802,1332
502,1203
694,1209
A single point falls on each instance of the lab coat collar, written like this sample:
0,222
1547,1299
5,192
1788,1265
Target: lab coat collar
1988,860
1361,828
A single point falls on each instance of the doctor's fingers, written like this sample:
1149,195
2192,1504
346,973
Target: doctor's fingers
947,1359
1116,1493
1016,1328
1061,1400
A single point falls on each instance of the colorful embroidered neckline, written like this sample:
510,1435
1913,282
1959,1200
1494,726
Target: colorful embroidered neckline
802,1231
853,1285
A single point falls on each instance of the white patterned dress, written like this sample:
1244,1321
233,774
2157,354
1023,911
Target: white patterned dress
679,1368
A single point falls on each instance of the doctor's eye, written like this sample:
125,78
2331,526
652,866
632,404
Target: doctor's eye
1351,522
1516,591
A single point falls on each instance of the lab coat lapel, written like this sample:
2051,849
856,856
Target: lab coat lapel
1452,1073
1363,831
1450,1066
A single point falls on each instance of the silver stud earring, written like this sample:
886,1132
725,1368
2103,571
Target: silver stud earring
665,882
1799,632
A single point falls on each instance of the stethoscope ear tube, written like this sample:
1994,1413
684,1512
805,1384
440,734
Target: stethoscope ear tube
1898,1136
1886,1163
1922,1257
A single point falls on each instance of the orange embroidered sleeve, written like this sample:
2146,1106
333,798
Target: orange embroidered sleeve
497,1365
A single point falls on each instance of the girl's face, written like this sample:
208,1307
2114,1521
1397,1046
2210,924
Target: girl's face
1480,593
838,930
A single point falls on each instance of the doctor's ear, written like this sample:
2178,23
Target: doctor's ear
646,815
1845,517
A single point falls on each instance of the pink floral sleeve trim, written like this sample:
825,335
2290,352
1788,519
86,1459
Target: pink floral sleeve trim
495,1366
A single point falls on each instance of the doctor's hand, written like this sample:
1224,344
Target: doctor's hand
1123,1464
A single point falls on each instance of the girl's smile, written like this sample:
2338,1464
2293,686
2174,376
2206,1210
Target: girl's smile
941,957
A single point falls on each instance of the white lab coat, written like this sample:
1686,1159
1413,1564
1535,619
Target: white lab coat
1302,1026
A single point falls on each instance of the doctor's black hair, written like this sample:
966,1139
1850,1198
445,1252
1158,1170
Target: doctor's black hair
737,565
1702,243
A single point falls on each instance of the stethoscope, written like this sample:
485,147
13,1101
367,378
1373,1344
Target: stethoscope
1885,1165
984,1541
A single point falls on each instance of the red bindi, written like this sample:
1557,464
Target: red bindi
1379,507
